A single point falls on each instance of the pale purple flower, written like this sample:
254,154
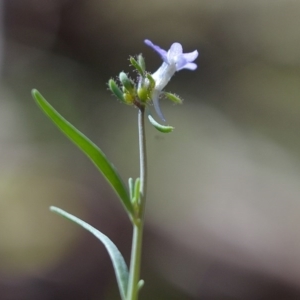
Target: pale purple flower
174,60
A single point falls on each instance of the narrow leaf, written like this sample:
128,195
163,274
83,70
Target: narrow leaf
159,127
136,195
117,259
141,283
131,187
88,148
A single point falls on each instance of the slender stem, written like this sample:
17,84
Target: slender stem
143,162
138,226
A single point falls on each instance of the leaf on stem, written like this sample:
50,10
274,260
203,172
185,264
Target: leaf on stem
136,195
141,283
89,149
117,259
131,188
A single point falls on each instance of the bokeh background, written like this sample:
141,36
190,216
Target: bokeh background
223,211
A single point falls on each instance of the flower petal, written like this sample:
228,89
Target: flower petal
161,52
174,52
180,62
191,56
155,100
189,66
174,60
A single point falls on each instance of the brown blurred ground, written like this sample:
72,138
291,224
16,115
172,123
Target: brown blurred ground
223,211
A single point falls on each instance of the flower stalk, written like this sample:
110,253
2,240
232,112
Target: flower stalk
138,224
147,89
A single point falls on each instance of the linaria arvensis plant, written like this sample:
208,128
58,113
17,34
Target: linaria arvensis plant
147,89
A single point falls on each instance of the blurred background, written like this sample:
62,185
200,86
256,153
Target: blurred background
223,211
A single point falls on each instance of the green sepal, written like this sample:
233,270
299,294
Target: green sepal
159,127
89,149
120,267
174,98
116,90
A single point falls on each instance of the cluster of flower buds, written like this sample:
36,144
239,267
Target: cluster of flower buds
148,88
134,93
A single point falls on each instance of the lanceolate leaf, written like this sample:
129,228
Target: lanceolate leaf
131,187
89,148
118,262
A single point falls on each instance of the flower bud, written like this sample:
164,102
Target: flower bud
174,98
151,80
137,66
129,98
141,62
143,94
127,83
115,90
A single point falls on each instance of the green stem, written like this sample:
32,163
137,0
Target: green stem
138,225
